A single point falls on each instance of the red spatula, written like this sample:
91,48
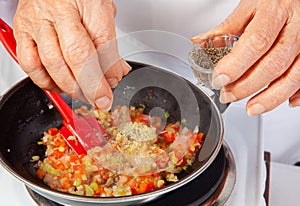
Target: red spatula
81,133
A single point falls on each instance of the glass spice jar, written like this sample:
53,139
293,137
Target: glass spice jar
206,54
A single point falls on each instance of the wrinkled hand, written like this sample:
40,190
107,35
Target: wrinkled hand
266,57
70,46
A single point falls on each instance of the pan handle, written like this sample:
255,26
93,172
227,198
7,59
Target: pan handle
216,98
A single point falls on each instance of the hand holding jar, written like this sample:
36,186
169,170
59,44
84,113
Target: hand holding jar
265,61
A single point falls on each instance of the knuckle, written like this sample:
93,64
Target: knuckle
115,70
77,54
44,83
28,63
273,67
260,40
294,76
102,40
51,59
236,66
68,88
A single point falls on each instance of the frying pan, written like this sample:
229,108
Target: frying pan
25,114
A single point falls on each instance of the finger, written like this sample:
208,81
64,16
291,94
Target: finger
80,55
113,66
113,72
253,44
114,8
235,23
278,92
52,59
277,60
103,35
29,60
294,100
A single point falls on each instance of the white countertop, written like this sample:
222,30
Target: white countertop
284,184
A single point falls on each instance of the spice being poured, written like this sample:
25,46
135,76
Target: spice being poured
207,53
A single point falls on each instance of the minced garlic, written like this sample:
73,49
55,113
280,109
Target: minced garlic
138,131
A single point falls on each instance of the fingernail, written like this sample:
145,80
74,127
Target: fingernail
255,109
226,97
295,102
103,103
129,67
220,81
195,39
113,82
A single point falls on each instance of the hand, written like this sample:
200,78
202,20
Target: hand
70,46
265,59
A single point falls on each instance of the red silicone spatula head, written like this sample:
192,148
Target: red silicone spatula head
81,133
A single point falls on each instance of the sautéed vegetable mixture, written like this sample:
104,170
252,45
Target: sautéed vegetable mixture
170,149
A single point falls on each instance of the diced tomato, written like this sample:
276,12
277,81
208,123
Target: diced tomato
99,191
73,158
176,127
141,120
169,137
200,137
59,165
60,143
150,186
67,175
183,162
156,175
145,187
142,187
56,154
66,184
77,176
53,131
105,176
78,167
40,173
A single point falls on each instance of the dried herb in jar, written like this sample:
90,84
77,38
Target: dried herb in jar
207,58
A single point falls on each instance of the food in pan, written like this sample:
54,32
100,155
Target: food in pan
143,155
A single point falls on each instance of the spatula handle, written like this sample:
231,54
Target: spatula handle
63,108
9,42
